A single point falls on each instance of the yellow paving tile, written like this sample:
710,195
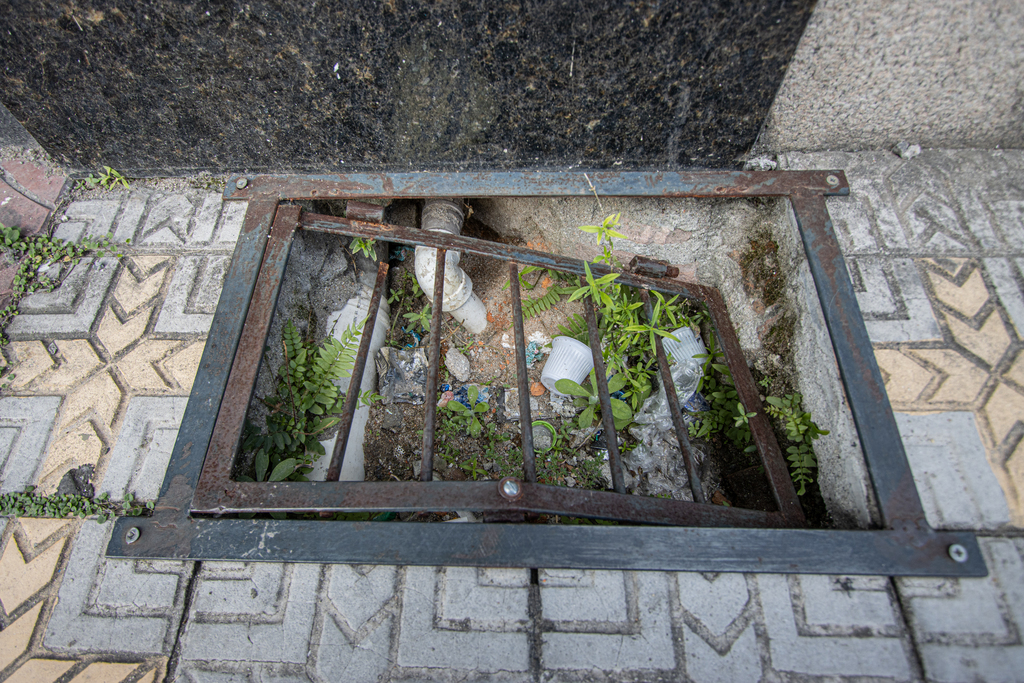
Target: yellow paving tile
100,396
138,366
989,343
104,672
133,294
182,365
38,529
963,381
116,336
40,671
905,378
19,580
967,298
148,678
30,361
79,361
1004,408
15,638
80,446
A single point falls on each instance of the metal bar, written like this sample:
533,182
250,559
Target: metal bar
355,382
238,391
601,375
478,496
692,473
522,377
539,184
498,250
433,370
776,468
786,551
880,438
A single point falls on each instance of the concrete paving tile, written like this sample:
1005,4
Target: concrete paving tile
117,335
359,592
139,367
179,313
866,221
740,662
852,632
76,360
1004,410
38,184
39,529
1008,277
935,227
951,471
967,298
569,595
355,637
988,343
18,211
98,397
206,218
959,380
25,426
82,445
115,606
90,218
969,629
67,312
30,360
424,644
40,671
14,639
231,223
255,612
182,364
643,644
22,576
167,223
132,210
1009,219
132,293
892,299
139,460
468,598
712,601
905,377
104,672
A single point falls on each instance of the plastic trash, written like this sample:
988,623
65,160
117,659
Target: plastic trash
685,376
570,359
688,346
403,375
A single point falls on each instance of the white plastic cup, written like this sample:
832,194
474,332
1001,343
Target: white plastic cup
688,346
569,359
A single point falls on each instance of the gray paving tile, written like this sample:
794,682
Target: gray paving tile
192,296
892,299
139,460
67,312
1008,277
25,426
115,606
958,488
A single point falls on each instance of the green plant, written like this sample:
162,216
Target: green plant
369,397
422,318
467,417
34,253
107,178
538,305
31,504
587,399
304,406
801,430
364,246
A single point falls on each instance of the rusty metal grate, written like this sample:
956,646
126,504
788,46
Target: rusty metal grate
198,491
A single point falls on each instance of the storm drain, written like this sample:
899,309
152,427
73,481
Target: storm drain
201,510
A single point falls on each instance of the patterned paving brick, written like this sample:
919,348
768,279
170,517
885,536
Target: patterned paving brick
25,426
115,606
892,299
67,312
193,294
139,460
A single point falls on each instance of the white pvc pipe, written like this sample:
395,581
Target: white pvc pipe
442,215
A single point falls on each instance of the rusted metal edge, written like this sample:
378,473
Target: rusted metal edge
433,369
673,405
355,382
611,438
539,184
785,551
241,381
522,377
476,496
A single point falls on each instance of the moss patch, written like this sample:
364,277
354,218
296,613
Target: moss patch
762,276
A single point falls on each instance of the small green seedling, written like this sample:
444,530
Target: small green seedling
364,246
422,318
107,178
467,417
588,399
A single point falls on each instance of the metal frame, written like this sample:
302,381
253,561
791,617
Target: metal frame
198,488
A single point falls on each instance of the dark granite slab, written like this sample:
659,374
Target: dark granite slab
171,86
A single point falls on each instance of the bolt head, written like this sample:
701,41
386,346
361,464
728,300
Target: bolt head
241,183
132,535
958,553
511,488
832,180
